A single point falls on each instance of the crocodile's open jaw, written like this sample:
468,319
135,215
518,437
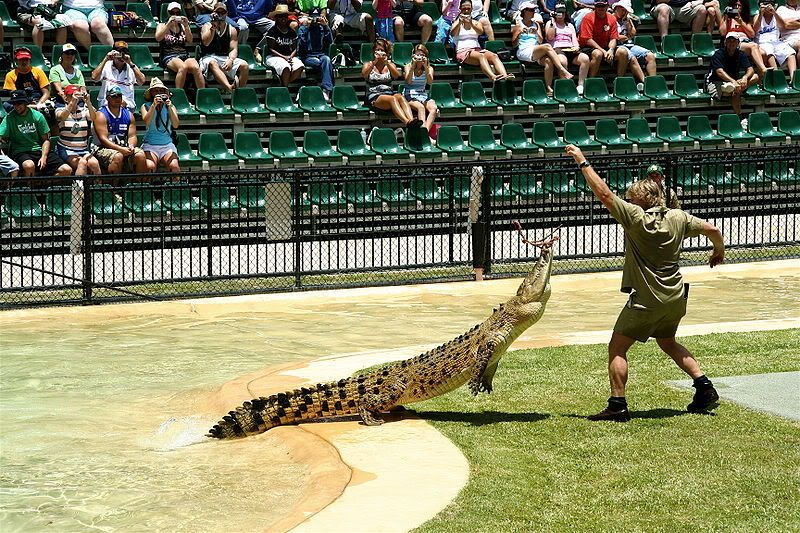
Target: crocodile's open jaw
536,285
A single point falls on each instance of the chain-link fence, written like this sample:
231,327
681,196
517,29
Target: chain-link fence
161,237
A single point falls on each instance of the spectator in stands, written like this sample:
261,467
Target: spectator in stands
465,32
205,8
384,18
513,11
73,131
581,9
173,35
598,38
348,13
8,167
737,22
695,13
26,77
160,119
66,73
774,51
85,15
410,12
561,35
294,13
547,9
219,51
41,16
118,70
307,6
379,74
251,13
282,45
115,135
637,55
730,74
29,139
480,13
527,37
788,17
314,40
418,75
450,11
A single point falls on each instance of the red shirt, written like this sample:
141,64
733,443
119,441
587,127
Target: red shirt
601,31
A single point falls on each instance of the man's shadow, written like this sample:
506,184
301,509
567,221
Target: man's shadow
483,418
649,413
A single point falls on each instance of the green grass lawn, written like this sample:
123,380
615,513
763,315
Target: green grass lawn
537,465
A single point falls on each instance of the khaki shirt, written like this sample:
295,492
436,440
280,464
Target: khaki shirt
653,243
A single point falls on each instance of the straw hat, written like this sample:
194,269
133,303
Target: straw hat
280,9
155,83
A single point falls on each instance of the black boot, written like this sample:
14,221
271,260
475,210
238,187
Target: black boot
617,411
705,398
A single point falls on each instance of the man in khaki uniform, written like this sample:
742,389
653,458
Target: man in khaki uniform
654,237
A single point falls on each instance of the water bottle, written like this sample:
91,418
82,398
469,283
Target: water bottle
364,135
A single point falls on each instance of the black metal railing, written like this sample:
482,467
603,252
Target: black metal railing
213,233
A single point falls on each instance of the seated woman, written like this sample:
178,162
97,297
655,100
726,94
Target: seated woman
738,21
160,118
173,35
465,32
418,75
379,74
66,73
561,35
73,131
527,37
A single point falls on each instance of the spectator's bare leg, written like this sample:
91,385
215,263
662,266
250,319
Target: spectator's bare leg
636,68
487,28
418,108
547,51
582,62
37,35
78,164
426,24
595,62
171,163
403,103
399,28
736,102
115,166
650,64
754,53
499,67
244,74
61,35
433,111
547,64
369,28
791,65
93,165
662,19
80,30
28,168
64,170
699,21
100,28
141,164
193,68
220,76
180,69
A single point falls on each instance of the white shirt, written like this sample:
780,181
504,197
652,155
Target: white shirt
789,14
124,79
466,38
768,31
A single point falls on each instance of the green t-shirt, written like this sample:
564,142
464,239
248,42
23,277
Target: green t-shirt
24,131
306,6
58,74
653,243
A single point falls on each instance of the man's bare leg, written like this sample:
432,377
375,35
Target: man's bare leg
617,410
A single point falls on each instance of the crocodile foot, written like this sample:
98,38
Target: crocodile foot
370,418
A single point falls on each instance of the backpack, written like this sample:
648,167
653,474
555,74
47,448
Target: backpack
126,20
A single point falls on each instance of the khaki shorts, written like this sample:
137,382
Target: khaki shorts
639,322
685,14
105,156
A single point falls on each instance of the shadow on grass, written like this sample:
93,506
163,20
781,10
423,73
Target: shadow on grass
482,419
650,413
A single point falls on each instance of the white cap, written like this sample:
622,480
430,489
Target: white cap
174,5
527,5
67,47
626,4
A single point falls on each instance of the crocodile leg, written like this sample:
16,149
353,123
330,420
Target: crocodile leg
488,376
482,358
371,403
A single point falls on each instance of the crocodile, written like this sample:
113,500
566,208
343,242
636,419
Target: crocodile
470,358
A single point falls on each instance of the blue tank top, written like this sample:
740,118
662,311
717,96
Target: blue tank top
159,131
528,40
416,89
117,126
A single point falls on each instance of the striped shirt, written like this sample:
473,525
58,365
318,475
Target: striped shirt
73,131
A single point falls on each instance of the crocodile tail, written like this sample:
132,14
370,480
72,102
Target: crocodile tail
307,403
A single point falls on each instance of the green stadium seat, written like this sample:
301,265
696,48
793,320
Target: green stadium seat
673,47
430,190
796,81
498,22
789,123
432,10
419,143
247,146
545,136
144,12
279,101
638,130
595,91
363,194
350,143
698,127
318,146
783,172
283,147
56,56
564,184
647,41
58,203
566,92
442,93
607,132
138,98
37,58
323,194
497,46
775,84
365,53
209,103
343,98
535,93
384,143
142,203
505,95
655,88
619,179
686,88
760,125
755,94
669,129
437,55
576,132
450,141
186,157
245,102
246,54
182,202
8,22
311,100
472,96
625,89
401,53
334,50
251,197
688,177
212,148
512,136
702,45
141,56
219,200
185,110
96,54
482,140
25,208
730,127
394,193
641,12
527,188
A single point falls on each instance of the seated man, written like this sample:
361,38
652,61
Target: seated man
118,70
637,55
85,15
282,46
730,74
410,12
315,38
307,6
219,51
8,167
691,12
598,38
348,13
251,14
29,139
41,17
26,77
115,134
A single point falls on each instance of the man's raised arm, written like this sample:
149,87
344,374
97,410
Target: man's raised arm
598,186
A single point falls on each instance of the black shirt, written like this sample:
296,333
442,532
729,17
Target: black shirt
282,42
220,45
732,65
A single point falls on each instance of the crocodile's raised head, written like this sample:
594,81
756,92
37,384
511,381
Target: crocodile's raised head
536,285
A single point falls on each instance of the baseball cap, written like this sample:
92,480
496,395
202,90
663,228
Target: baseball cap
527,5
22,53
67,47
626,4
654,169
601,3
72,89
19,96
114,90
560,8
121,46
173,6
315,12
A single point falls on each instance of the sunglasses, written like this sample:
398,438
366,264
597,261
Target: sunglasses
114,96
175,12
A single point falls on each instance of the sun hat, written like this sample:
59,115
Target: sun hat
115,90
155,83
280,9
19,97
654,169
173,6
624,4
67,47
23,53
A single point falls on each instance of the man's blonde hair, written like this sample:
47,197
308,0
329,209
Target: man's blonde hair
646,193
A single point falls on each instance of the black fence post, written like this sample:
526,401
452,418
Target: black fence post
297,229
481,230
86,241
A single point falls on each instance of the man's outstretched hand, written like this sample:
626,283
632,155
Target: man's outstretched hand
717,258
575,152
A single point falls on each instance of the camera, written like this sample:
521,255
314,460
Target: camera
418,57
315,20
216,17
731,12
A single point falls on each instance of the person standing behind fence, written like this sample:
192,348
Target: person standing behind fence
160,119
73,131
115,135
651,275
